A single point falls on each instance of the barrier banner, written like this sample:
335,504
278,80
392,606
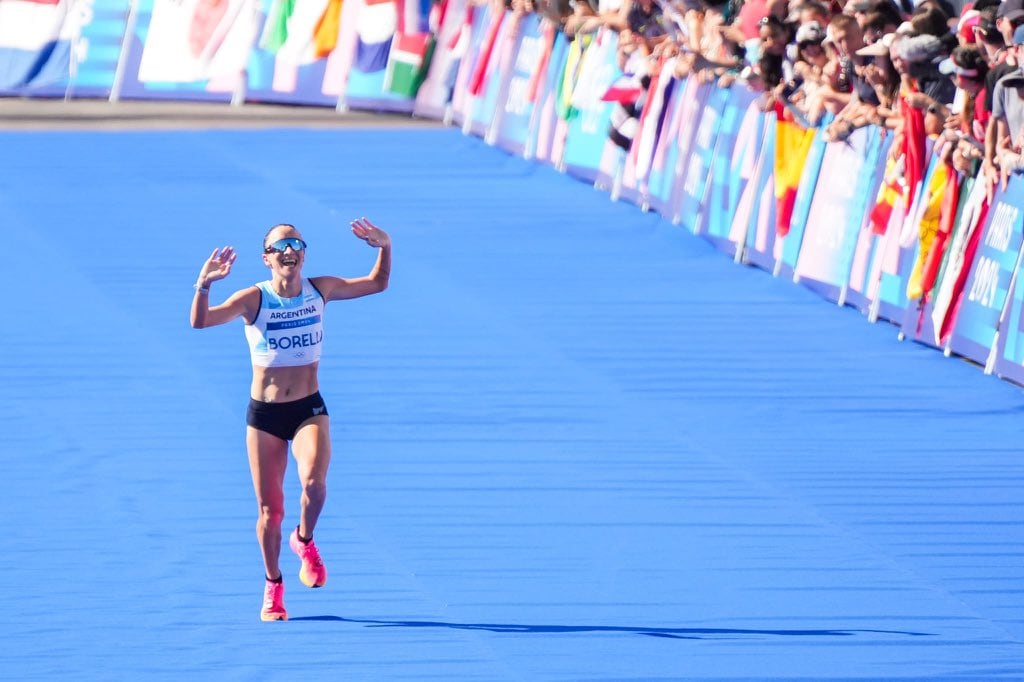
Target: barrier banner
663,188
956,265
947,193
792,143
1009,361
501,78
865,267
480,22
434,95
831,232
658,186
546,124
859,216
1010,354
589,116
761,233
692,185
532,47
732,165
638,162
988,284
812,144
901,245
742,216
487,79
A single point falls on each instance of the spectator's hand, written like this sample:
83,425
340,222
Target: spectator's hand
990,174
953,122
726,80
1009,163
964,156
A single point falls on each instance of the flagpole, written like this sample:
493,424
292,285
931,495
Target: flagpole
122,58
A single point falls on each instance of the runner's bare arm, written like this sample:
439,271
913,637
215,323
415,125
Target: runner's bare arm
338,288
244,302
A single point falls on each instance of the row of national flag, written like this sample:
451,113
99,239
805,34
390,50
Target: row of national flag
390,36
195,40
213,41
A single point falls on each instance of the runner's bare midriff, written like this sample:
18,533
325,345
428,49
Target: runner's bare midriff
284,384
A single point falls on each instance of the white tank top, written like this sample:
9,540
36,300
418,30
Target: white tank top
287,332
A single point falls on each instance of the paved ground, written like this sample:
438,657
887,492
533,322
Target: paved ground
57,114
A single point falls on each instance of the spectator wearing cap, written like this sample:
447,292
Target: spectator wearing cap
1009,16
810,58
917,59
1008,113
969,20
968,120
809,64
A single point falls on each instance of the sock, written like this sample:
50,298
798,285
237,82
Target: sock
278,579
303,540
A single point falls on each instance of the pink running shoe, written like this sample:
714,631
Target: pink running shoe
313,572
273,602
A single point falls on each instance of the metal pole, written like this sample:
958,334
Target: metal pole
122,59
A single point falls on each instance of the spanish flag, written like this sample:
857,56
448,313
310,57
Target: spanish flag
936,200
792,143
890,191
902,177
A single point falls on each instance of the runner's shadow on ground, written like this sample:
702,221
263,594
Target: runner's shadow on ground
669,633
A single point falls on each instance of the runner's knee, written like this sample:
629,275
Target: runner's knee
271,514
316,489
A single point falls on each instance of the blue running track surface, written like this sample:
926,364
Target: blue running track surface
571,441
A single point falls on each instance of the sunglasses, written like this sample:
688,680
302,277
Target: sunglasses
281,245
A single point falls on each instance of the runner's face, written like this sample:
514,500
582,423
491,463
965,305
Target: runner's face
289,262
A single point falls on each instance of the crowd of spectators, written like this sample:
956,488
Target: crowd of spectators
840,64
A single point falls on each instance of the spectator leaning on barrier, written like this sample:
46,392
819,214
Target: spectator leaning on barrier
643,17
875,92
997,39
773,67
1008,113
918,58
966,125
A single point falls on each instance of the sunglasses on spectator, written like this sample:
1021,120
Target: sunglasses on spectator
281,245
